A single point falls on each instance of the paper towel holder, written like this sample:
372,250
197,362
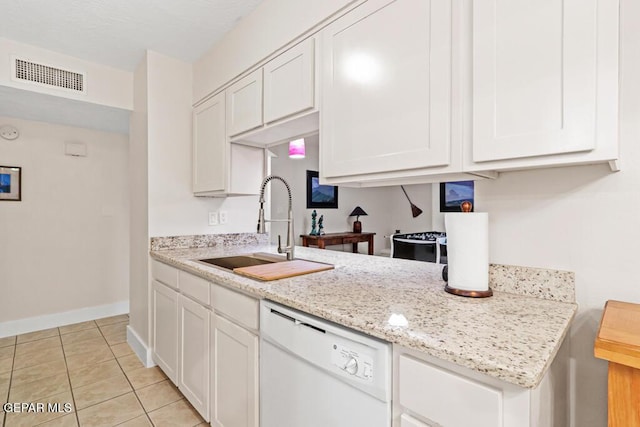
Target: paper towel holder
465,207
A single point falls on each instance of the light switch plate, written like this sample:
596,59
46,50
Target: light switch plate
213,218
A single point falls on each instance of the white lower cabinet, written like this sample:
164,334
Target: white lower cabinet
234,375
193,380
165,329
432,392
205,340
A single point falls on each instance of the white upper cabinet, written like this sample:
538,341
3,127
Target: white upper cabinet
244,104
220,168
289,82
544,80
209,146
386,95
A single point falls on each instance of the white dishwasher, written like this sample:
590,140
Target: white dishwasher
314,373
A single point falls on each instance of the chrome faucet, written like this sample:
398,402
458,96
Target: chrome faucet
261,221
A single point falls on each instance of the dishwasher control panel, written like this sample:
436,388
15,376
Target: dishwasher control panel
352,363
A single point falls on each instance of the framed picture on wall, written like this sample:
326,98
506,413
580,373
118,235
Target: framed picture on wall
320,196
452,194
10,183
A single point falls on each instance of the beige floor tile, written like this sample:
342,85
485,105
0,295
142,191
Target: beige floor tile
36,390
141,421
4,392
69,420
76,327
101,391
32,373
38,335
112,412
122,349
35,418
130,362
37,346
113,319
158,395
6,352
117,338
145,376
6,364
7,341
48,355
75,337
94,373
81,346
114,329
91,345
177,414
83,360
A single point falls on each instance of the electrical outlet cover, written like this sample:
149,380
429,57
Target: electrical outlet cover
223,217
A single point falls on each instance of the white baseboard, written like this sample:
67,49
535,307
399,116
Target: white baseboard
38,323
139,347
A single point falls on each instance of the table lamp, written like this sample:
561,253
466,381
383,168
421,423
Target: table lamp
357,225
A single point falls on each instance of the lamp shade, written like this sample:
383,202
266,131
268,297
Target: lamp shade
297,149
358,211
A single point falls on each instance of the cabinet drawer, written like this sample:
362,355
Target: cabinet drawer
195,287
409,421
164,273
238,307
438,395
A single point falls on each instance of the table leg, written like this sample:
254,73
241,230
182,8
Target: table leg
370,245
305,242
320,244
354,248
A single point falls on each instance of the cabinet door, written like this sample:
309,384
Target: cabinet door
289,82
194,354
409,421
244,104
534,77
209,146
234,375
386,100
165,329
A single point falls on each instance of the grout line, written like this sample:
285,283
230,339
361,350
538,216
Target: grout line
73,397
13,362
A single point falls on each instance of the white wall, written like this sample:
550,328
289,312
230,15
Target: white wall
173,210
272,24
583,219
104,85
387,207
139,202
65,246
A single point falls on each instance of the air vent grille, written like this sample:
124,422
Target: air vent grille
39,73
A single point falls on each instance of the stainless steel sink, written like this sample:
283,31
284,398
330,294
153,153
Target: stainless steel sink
237,261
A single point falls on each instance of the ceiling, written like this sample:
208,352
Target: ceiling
117,32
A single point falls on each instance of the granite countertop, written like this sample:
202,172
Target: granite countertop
508,336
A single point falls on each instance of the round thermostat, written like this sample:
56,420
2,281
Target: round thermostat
9,132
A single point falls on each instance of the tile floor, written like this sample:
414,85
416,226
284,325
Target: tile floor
90,366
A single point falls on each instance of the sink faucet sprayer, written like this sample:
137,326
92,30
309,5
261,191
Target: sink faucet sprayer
261,221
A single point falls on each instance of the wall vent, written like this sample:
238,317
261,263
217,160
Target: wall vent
49,76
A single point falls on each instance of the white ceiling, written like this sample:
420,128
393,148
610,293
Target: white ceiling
117,32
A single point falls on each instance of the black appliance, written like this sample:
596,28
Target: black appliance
422,246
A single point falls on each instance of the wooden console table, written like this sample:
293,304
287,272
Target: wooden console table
339,239
618,341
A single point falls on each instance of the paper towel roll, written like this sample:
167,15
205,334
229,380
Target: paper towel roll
468,250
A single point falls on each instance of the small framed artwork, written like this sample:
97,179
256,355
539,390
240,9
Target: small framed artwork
452,194
10,183
320,196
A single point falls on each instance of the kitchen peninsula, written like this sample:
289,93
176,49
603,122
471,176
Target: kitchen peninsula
507,341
